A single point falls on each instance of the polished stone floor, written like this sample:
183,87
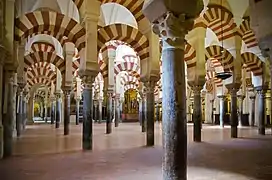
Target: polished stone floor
43,153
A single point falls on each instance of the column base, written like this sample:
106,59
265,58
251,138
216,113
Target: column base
234,132
261,130
57,125
1,142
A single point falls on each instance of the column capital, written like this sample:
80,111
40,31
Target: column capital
241,97
149,86
222,97
58,95
252,97
66,89
261,89
172,29
88,81
197,89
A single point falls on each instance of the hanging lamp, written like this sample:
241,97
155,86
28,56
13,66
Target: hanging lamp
225,74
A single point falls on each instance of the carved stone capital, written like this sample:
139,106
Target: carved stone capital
223,97
57,95
150,86
197,89
88,81
261,90
172,29
241,97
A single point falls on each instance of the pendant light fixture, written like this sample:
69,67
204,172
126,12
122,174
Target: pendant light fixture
225,74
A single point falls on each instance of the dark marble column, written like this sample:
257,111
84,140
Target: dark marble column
77,110
173,30
88,113
117,111
100,106
109,112
143,112
150,108
212,114
8,117
140,112
241,106
53,112
19,114
261,108
67,105
222,109
197,114
95,114
252,114
233,115
58,109
157,111
24,109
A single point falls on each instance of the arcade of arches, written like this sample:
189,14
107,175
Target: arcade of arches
82,62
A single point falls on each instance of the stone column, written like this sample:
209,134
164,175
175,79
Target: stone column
8,111
95,114
173,30
77,110
19,114
150,108
2,99
241,106
140,111
53,112
67,106
212,112
117,111
25,100
197,114
261,108
58,109
252,114
157,111
100,106
143,113
222,109
88,113
233,116
109,112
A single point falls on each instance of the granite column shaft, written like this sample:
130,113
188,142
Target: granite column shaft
67,112
197,115
87,140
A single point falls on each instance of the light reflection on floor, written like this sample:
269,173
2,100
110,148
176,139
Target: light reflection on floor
121,156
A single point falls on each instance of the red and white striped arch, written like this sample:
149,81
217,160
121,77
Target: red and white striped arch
129,79
218,19
129,67
130,86
42,46
61,39
75,67
126,34
131,58
247,34
135,7
210,77
48,57
190,56
253,63
54,23
226,59
44,72
39,80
